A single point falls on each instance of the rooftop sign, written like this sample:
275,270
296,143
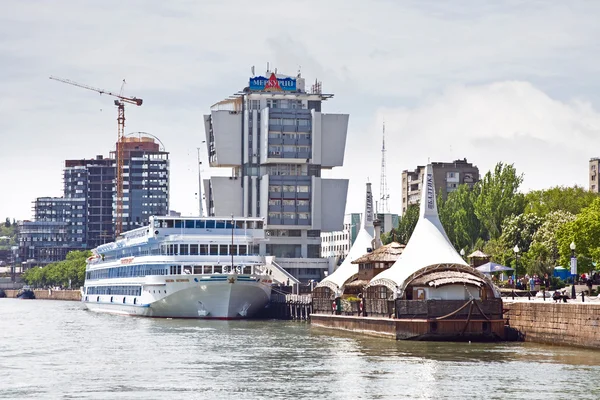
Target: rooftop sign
272,84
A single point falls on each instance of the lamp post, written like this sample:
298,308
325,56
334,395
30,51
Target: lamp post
462,253
573,269
516,250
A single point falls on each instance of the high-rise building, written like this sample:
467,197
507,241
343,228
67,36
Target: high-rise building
145,181
275,138
43,242
93,180
68,210
594,167
447,177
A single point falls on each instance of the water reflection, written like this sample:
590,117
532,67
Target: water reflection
56,349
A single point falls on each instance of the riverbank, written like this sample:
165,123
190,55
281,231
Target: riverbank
70,295
565,324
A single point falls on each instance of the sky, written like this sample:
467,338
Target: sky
498,81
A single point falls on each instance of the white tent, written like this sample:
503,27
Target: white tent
347,270
428,248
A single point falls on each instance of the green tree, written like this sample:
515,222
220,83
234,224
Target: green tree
544,247
406,226
519,230
584,231
457,215
498,198
568,199
71,270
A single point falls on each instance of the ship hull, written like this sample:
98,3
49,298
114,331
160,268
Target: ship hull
216,297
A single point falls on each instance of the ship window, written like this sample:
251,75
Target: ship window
187,269
193,249
197,270
178,223
243,250
210,224
169,223
239,224
214,250
184,249
200,224
220,224
233,249
247,269
250,224
223,249
189,223
203,249
218,269
208,269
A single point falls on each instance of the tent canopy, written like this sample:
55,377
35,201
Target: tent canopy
490,267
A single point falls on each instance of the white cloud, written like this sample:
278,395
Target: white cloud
378,57
513,122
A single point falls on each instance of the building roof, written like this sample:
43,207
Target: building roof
362,243
428,249
388,253
441,278
478,254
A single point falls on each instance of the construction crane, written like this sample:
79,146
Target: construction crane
120,103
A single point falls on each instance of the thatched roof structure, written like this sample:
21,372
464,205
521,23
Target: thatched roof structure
441,278
385,254
428,252
360,283
478,254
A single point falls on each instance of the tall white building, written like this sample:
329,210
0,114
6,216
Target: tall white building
277,141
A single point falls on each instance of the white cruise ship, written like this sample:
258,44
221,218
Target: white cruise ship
182,267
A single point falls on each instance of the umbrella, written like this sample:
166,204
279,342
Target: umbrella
490,267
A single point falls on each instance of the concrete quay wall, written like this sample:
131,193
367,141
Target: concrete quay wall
40,294
573,324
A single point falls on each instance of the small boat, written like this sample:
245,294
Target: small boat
25,293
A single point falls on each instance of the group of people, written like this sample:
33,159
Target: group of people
529,282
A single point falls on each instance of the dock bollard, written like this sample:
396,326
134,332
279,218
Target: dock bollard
582,296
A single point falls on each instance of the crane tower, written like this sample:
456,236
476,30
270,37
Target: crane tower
383,192
120,103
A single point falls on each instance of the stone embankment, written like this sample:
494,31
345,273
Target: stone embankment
71,295
571,324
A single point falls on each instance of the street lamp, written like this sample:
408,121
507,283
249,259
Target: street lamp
462,253
516,250
573,269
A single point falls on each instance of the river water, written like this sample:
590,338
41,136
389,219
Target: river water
58,350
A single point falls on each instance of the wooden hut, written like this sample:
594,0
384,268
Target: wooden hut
478,258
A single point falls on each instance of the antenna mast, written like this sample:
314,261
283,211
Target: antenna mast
383,192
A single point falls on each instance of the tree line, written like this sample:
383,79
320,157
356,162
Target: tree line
493,216
69,271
